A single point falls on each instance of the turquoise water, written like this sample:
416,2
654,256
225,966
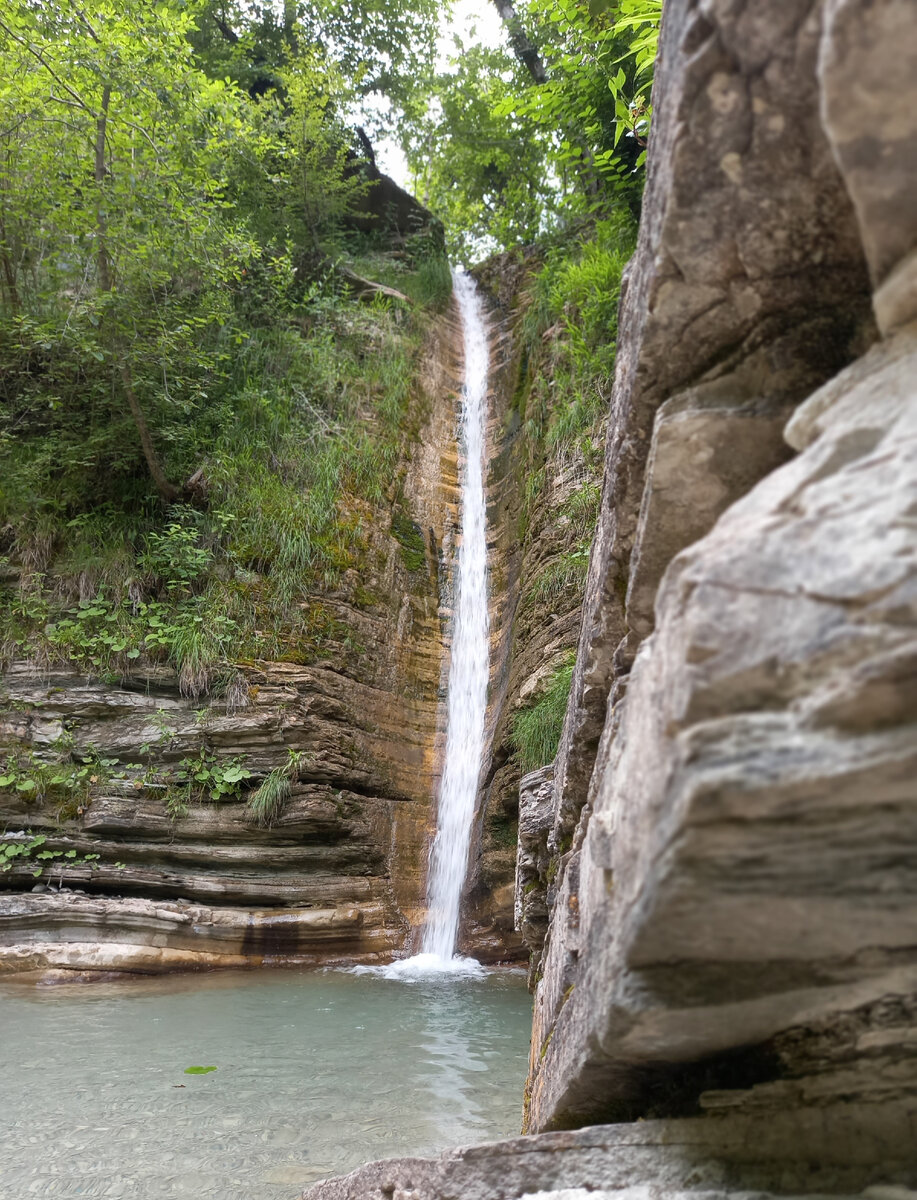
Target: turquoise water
317,1072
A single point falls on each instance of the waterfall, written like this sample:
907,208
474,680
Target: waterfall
466,696
469,667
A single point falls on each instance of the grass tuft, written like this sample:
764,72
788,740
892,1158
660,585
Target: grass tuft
266,803
536,730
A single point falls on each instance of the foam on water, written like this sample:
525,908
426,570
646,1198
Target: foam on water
423,967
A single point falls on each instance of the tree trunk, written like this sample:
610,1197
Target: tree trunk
518,39
168,492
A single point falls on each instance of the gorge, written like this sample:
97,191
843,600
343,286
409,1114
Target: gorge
656,661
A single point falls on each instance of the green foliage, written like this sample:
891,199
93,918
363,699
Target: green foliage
31,849
601,58
410,538
175,556
434,281
478,164
199,1070
506,155
266,803
206,776
382,47
583,508
569,332
173,186
562,576
68,781
536,730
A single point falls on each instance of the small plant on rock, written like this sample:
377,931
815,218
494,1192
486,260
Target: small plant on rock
207,777
267,803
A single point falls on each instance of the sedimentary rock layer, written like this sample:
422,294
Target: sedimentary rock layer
346,857
819,1152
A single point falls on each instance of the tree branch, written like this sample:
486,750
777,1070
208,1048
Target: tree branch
518,39
47,66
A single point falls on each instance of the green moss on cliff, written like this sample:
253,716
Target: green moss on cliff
291,458
536,730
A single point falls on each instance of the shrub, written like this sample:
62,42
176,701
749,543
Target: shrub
536,730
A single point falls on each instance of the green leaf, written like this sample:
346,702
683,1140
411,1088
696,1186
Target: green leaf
199,1070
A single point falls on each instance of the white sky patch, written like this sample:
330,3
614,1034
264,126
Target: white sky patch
475,22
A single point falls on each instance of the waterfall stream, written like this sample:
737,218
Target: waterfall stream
469,666
466,697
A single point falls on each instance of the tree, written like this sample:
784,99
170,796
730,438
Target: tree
115,236
383,49
571,116
480,168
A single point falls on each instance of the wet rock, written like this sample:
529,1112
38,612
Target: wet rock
818,1152
80,933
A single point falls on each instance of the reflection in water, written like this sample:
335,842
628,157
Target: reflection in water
317,1072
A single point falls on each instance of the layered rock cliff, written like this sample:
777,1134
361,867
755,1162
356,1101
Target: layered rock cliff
141,882
716,876
146,878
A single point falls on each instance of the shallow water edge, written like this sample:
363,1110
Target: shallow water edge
317,1071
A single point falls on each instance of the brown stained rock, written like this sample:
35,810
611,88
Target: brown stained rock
368,724
66,932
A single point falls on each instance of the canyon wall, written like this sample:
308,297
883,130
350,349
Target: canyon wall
716,877
341,872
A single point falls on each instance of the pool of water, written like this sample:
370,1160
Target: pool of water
317,1072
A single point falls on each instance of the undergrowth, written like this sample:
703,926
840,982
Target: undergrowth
536,730
292,443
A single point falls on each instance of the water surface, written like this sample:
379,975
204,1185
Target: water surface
317,1073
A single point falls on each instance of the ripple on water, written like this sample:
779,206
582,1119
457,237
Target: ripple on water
317,1073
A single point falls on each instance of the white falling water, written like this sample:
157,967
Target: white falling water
469,667
468,674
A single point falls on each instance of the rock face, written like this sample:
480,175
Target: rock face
733,872
652,1158
366,716
716,879
755,873
342,870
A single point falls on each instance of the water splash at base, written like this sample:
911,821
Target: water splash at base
424,967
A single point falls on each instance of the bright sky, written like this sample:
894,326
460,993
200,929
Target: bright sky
476,20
